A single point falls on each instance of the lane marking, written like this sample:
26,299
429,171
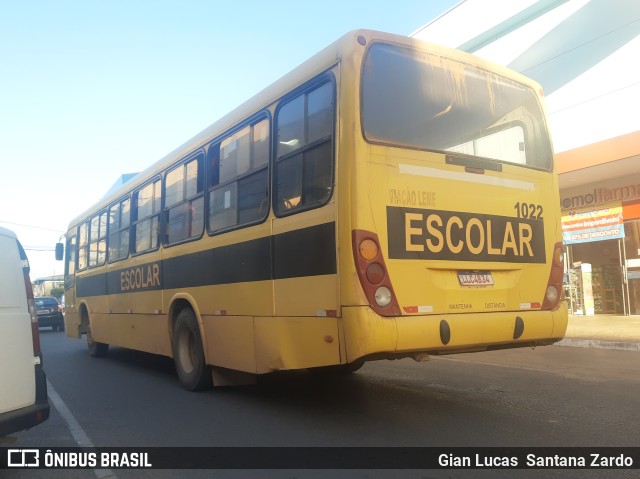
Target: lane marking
79,434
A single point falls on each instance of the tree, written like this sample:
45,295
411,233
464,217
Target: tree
57,292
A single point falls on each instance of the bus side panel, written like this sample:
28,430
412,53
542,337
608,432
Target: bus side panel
143,332
71,314
226,312
307,296
136,288
296,343
305,263
94,290
229,342
367,333
233,300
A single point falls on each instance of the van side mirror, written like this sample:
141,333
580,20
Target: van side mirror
59,251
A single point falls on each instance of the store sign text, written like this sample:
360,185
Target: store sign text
588,225
600,196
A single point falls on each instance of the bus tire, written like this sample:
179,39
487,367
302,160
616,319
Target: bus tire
188,354
96,349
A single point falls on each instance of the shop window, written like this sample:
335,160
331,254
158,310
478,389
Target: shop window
632,241
304,164
632,248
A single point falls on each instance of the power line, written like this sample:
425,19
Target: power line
31,226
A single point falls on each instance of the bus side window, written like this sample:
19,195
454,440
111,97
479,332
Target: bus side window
304,165
70,262
83,246
118,244
146,229
184,201
239,180
98,240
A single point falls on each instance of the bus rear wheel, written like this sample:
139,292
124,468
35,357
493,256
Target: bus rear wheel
188,354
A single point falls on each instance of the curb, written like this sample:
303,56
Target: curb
599,344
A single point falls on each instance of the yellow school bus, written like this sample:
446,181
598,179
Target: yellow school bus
388,198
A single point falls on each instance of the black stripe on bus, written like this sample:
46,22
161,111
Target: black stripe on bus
305,252
95,285
237,263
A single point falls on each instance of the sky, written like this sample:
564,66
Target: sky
90,90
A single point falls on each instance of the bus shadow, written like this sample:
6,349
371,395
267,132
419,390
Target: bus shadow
141,361
301,391
364,400
295,384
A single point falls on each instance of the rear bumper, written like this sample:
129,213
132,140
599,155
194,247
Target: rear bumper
29,416
50,320
368,335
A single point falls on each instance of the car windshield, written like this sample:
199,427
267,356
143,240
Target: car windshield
414,99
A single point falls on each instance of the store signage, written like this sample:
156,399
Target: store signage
586,225
602,195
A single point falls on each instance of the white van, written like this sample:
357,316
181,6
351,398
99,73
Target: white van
23,385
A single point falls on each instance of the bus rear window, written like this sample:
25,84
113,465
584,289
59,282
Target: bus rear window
419,100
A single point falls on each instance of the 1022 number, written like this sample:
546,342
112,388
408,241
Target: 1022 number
528,211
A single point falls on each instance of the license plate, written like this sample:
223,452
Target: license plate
43,311
475,278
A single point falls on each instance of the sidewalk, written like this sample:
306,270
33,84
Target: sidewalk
603,331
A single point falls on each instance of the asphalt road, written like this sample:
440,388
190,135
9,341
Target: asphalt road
552,396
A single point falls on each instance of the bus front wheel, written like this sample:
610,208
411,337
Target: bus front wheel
96,349
188,354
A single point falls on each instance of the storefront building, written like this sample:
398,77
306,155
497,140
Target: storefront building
600,201
584,54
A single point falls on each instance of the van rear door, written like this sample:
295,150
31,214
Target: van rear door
23,401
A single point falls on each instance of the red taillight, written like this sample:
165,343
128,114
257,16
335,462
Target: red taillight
373,274
553,292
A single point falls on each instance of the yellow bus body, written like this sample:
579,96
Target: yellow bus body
286,293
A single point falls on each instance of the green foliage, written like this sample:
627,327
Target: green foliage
57,292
